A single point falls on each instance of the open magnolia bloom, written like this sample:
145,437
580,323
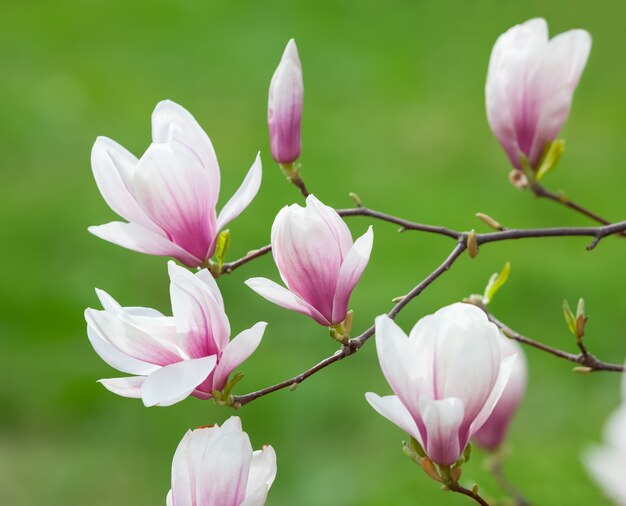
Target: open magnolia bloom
493,432
215,466
530,85
169,195
448,375
171,357
317,260
607,463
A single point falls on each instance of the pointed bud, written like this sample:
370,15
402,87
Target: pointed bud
284,112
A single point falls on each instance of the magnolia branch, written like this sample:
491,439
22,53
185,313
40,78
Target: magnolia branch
505,234
586,361
353,345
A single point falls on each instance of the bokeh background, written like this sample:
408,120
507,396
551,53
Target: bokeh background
394,111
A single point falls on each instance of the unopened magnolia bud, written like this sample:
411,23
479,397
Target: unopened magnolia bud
284,111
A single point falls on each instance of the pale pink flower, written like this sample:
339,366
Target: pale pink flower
215,466
317,260
169,195
530,84
284,110
493,432
447,375
607,463
171,357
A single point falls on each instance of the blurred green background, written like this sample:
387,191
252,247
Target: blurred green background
394,111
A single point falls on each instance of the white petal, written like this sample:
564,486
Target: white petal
284,298
139,238
393,410
504,374
201,322
183,480
261,476
172,383
243,196
167,115
351,269
236,352
607,466
126,387
222,475
111,354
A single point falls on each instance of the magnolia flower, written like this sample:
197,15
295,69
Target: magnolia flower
284,110
530,83
448,375
491,435
607,463
317,260
169,195
171,357
215,466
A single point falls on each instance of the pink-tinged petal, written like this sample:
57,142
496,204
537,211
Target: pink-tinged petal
183,492
236,352
353,265
284,298
132,340
504,374
113,167
172,383
201,322
138,238
126,387
393,410
261,476
243,196
442,419
561,68
307,255
169,116
111,354
173,189
169,501
222,476
493,432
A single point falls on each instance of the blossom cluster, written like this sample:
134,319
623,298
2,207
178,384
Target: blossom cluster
455,377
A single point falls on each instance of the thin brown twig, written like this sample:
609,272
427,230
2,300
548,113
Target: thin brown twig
587,360
542,192
473,494
353,345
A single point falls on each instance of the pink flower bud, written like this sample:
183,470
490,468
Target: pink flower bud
284,110
171,357
317,260
530,84
491,435
447,376
607,463
169,195
215,466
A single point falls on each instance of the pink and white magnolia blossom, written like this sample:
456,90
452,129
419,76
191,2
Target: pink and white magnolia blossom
607,463
169,195
447,376
215,466
317,260
530,84
171,357
284,109
491,435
